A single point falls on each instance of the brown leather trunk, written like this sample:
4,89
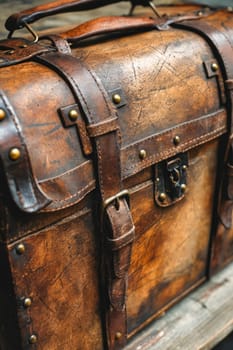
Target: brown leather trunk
116,195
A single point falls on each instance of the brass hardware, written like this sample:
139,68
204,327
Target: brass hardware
116,99
176,140
30,29
23,46
73,114
14,154
2,114
184,167
124,193
142,154
214,67
10,52
183,187
200,13
162,197
157,179
154,9
33,339
20,249
118,335
27,302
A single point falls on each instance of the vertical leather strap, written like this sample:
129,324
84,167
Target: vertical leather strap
223,50
116,224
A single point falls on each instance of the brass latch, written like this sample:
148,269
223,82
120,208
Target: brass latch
171,180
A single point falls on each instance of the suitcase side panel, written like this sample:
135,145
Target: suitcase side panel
58,272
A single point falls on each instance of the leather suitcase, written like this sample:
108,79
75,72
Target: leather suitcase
116,168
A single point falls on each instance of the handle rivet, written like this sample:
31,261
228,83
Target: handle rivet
33,339
14,154
2,114
162,197
118,335
116,99
27,302
73,114
176,140
183,187
214,67
20,249
142,154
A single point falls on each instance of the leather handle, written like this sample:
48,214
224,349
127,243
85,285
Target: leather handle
105,25
17,20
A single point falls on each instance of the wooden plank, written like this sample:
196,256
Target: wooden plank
199,322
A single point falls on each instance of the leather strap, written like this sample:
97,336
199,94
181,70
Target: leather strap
24,189
116,223
223,50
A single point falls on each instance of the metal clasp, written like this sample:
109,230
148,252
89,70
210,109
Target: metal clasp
30,29
116,198
171,180
144,3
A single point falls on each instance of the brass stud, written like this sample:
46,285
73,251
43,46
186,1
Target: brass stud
10,52
14,154
2,114
73,114
184,167
200,13
33,339
20,249
214,67
157,179
116,99
162,197
118,335
27,302
23,46
176,140
142,154
183,187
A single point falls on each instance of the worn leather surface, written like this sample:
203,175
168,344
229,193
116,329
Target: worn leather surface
168,91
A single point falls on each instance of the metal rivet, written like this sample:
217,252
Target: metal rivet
23,46
157,179
32,339
2,60
14,153
176,140
10,52
200,13
183,187
20,249
2,114
73,114
27,302
118,335
184,167
142,154
214,67
116,99
162,197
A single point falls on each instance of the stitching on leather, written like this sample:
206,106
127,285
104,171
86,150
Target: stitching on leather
205,118
68,173
75,194
163,155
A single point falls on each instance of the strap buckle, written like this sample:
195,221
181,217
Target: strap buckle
116,198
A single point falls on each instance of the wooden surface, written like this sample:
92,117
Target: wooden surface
199,322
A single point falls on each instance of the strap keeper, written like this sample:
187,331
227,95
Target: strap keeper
103,127
121,242
229,84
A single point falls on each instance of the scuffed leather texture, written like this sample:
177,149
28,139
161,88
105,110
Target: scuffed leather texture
24,188
96,277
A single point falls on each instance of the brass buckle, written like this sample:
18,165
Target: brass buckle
116,198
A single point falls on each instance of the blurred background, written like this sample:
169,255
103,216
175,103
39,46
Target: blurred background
8,7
